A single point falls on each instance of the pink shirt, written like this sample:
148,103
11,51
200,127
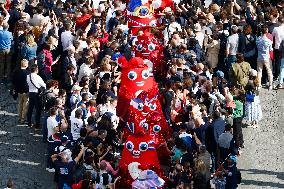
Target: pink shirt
109,168
48,60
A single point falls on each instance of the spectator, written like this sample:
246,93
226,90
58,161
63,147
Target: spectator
226,143
201,176
240,72
67,37
29,50
213,46
85,69
68,79
21,88
232,47
247,45
238,117
253,112
52,122
281,76
77,124
75,97
278,38
35,84
65,167
264,46
6,39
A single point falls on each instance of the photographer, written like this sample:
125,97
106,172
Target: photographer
65,167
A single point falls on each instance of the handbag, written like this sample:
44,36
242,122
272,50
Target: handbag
250,97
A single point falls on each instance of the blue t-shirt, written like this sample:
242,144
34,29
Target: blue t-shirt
6,38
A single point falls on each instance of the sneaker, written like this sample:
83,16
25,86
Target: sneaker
280,86
270,88
51,170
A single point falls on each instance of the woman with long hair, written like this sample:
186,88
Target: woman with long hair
253,112
29,50
201,176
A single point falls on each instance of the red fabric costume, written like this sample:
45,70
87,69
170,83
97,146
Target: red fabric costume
135,77
138,154
149,48
141,14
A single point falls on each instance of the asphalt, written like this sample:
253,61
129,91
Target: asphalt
262,162
22,154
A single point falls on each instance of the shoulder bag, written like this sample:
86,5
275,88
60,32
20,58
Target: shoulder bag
40,89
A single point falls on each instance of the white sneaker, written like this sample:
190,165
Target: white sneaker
52,170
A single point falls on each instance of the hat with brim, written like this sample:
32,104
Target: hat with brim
220,74
253,73
76,88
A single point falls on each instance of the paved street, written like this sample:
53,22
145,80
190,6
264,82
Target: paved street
22,155
262,162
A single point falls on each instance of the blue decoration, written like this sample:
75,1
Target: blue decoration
133,4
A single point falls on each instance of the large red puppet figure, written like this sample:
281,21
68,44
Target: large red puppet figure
141,14
135,77
139,154
148,47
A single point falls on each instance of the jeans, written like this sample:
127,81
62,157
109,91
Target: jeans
268,66
34,103
231,59
281,75
23,101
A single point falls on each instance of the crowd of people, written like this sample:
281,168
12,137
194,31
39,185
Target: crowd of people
59,59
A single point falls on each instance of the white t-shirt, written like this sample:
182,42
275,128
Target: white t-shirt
51,124
199,36
278,34
85,70
232,44
67,39
76,125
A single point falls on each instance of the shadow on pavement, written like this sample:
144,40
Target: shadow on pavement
261,183
279,175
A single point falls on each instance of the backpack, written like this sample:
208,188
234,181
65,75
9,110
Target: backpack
46,101
41,61
240,72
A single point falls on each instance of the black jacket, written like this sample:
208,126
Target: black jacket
19,81
66,82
